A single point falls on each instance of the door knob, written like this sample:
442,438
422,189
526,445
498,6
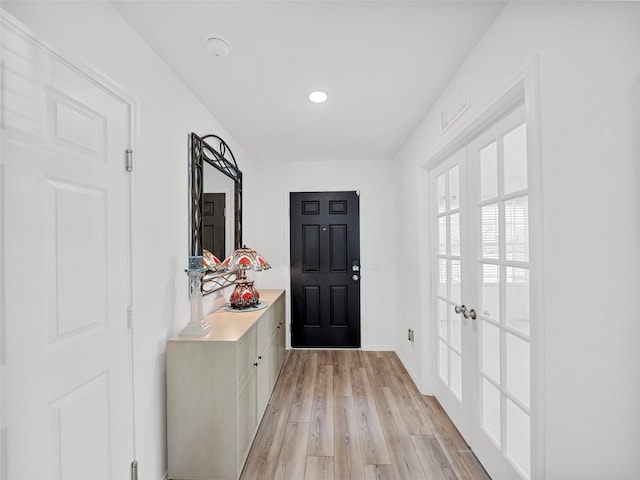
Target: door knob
461,309
470,314
355,278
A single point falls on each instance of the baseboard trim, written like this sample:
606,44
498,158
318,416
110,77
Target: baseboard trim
379,348
405,364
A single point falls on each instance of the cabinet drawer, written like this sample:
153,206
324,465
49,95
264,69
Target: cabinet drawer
246,353
277,313
264,330
247,417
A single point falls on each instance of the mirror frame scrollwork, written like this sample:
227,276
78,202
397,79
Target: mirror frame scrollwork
213,150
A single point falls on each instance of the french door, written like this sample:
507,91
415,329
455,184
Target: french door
481,264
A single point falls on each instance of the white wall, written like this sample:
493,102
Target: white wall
589,57
96,34
266,228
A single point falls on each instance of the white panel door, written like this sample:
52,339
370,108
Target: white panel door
67,403
481,264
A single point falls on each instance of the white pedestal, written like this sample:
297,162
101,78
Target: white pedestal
197,325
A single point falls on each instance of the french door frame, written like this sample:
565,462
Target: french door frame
522,89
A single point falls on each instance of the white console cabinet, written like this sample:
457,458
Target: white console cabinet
218,387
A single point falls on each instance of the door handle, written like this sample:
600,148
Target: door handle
467,313
355,277
461,309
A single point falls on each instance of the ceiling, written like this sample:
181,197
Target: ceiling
382,63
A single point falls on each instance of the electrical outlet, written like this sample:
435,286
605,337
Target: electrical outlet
410,335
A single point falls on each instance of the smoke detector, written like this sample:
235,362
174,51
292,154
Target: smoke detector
216,45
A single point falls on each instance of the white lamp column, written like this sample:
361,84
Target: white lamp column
197,325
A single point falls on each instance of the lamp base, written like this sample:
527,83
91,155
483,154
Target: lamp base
197,329
244,295
197,325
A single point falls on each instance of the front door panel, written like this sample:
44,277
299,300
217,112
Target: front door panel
325,269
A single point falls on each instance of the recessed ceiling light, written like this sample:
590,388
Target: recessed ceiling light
216,45
318,96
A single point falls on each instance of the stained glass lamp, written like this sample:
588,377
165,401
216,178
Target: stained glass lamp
244,294
210,261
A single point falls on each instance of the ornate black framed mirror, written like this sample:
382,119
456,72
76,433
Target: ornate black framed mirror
215,182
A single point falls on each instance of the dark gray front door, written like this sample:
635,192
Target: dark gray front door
325,269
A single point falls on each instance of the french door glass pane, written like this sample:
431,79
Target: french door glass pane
442,277
490,302
489,171
490,231
455,281
442,235
518,381
491,410
454,221
516,213
443,371
491,350
515,160
442,193
456,374
518,435
454,188
456,328
517,298
442,318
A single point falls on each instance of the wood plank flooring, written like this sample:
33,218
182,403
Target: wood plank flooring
354,415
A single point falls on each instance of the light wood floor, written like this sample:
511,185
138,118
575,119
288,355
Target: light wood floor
349,414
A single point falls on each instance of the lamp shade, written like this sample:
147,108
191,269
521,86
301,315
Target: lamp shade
244,295
245,259
210,261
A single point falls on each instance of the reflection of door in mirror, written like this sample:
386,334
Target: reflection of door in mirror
213,221
217,212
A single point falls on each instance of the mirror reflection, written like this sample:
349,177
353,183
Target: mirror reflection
217,212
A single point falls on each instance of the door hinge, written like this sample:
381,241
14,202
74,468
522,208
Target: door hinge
134,470
129,154
130,316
